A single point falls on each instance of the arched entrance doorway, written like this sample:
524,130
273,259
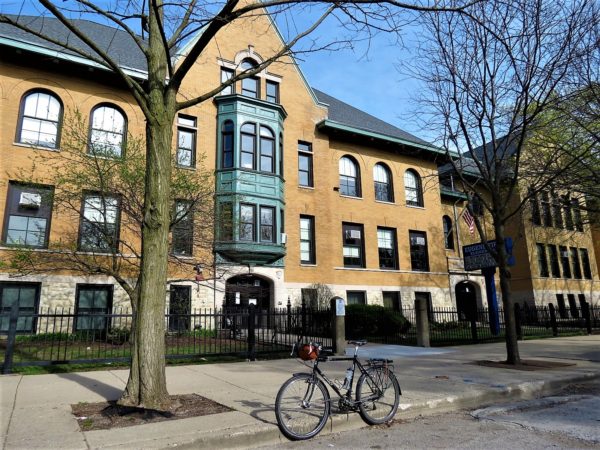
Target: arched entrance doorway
243,290
466,300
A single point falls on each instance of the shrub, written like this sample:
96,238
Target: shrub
118,336
374,320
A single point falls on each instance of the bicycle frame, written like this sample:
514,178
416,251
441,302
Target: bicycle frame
347,396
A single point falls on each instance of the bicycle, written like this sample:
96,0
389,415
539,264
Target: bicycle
303,403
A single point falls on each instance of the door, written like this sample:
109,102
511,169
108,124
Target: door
180,305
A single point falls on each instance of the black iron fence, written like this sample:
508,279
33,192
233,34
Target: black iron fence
60,336
449,326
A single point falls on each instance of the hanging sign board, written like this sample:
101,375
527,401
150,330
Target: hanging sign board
476,256
237,298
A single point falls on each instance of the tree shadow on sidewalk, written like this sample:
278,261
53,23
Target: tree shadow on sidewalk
105,390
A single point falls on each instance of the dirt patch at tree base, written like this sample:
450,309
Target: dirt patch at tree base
107,415
526,364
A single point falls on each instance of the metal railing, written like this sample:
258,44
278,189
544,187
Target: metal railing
60,336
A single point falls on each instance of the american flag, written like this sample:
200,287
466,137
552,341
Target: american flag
469,220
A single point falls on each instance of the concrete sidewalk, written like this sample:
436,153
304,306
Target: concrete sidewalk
35,411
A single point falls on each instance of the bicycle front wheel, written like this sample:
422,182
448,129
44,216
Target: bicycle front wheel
302,407
378,392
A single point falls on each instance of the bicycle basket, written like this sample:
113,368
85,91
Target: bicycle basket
308,352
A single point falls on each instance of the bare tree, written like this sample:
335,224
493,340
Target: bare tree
111,190
166,28
491,76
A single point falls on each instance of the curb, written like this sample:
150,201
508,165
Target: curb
269,434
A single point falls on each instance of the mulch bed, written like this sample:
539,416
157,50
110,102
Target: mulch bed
526,364
107,415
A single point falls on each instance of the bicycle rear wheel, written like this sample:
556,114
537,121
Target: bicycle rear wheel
379,395
302,407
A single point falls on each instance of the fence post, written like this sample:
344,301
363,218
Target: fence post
585,311
251,333
553,319
518,322
289,317
12,336
422,323
474,326
303,312
338,325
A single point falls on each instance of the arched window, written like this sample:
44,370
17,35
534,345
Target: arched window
448,233
227,144
267,150
412,188
40,119
382,177
249,85
349,177
108,131
248,146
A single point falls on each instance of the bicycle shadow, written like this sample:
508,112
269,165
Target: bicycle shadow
261,411
266,412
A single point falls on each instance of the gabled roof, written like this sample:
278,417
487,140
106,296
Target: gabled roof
117,43
124,50
346,114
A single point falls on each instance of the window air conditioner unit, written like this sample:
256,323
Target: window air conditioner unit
564,254
284,238
30,200
352,234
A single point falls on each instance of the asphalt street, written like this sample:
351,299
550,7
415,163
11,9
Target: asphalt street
570,419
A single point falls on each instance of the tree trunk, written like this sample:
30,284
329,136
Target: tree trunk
147,384
512,346
147,387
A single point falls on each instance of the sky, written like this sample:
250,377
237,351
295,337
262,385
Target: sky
366,77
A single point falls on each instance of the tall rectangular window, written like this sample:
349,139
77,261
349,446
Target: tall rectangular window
546,211
183,229
99,225
272,91
554,266
307,240
562,310
356,297
92,306
419,257
186,141
575,261
305,164
542,260
557,211
391,300
226,75
27,215
247,222
585,263
573,306
354,250
566,265
577,214
27,297
267,224
535,209
568,213
386,243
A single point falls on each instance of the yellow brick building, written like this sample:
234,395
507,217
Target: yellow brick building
318,192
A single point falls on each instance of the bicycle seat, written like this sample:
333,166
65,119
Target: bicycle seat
358,343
